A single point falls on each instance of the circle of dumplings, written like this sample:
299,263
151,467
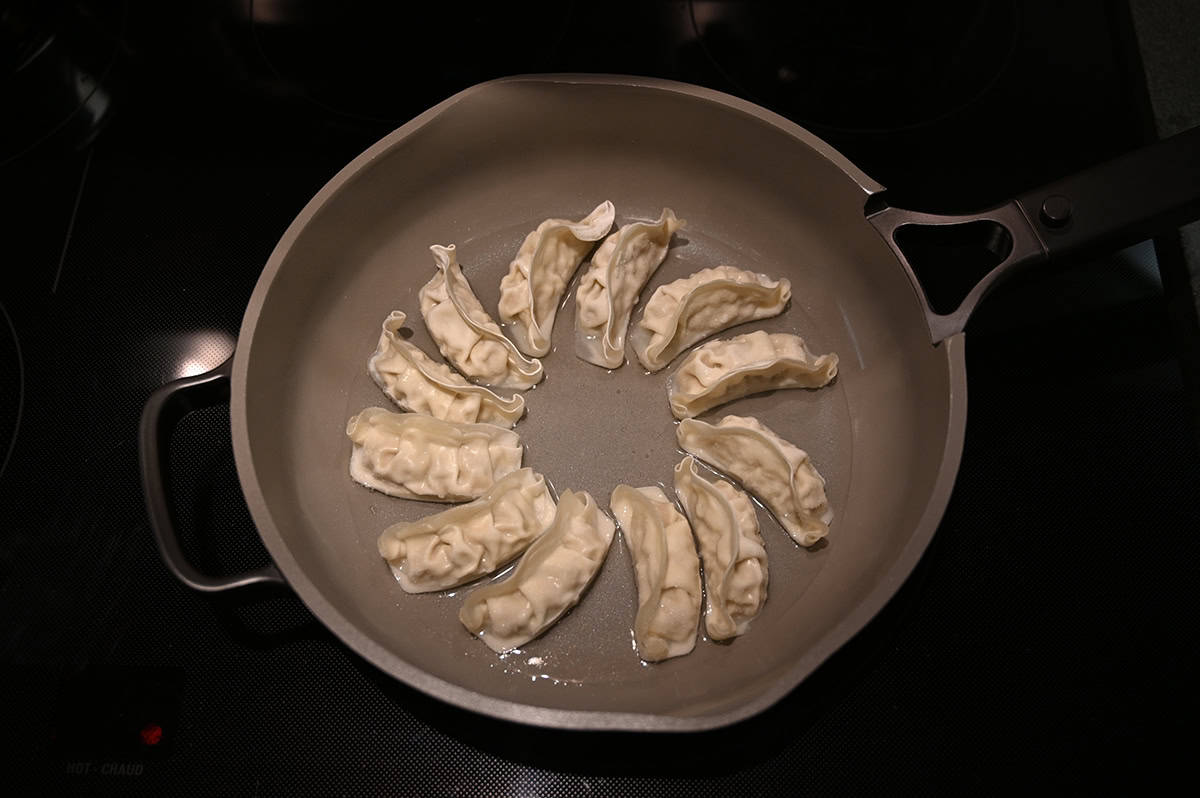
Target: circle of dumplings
456,443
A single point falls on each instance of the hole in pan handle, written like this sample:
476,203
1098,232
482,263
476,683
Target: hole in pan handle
954,260
163,411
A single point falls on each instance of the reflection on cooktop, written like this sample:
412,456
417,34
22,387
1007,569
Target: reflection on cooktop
197,352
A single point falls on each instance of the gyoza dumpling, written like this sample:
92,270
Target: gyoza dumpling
690,309
414,456
549,580
466,334
466,542
415,382
735,561
666,568
531,291
772,469
721,371
609,289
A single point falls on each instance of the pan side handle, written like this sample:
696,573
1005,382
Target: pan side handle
950,258
163,411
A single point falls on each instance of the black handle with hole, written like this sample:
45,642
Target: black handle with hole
163,411
1101,209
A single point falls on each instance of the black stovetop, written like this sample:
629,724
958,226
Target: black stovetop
1045,638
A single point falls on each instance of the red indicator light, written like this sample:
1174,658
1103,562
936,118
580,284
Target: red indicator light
151,734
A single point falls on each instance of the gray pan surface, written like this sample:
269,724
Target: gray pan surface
483,169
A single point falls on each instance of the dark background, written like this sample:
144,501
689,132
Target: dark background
152,153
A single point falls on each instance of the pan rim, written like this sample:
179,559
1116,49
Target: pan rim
594,720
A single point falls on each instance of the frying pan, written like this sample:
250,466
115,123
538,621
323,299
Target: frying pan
482,169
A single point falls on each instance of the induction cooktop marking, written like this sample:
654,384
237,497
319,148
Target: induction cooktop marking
12,444
62,258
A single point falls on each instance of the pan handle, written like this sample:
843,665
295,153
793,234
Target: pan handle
163,411
1101,209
